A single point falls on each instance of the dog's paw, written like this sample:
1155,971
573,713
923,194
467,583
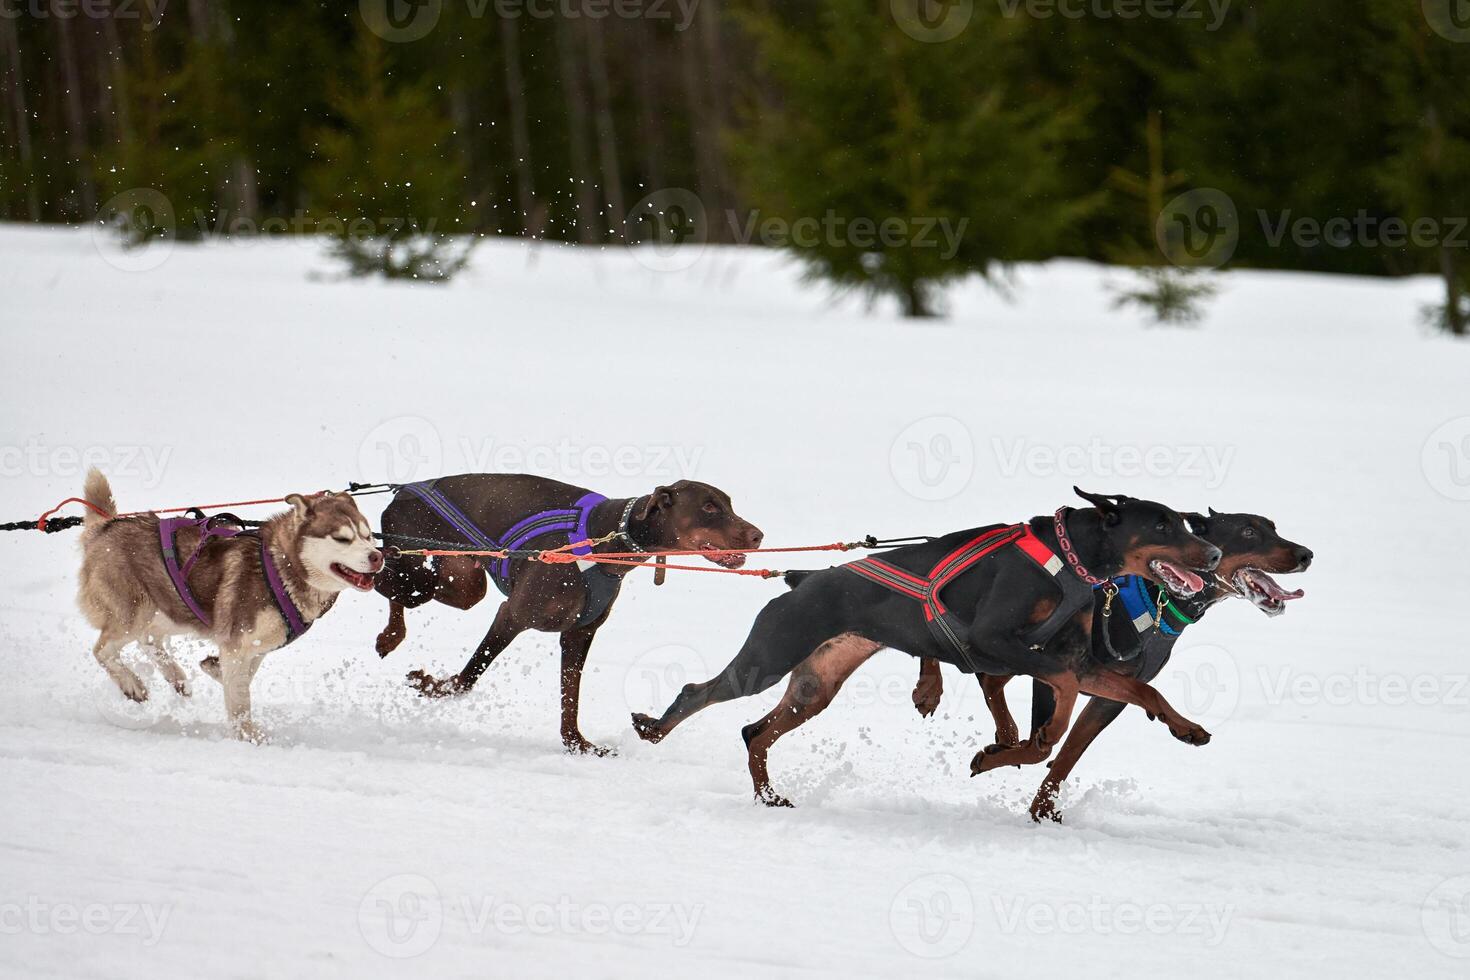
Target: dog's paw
133,689
926,700
431,687
210,665
988,758
387,642
249,731
1190,734
181,685
770,797
580,746
647,728
1044,807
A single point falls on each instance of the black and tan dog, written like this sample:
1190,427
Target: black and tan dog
1251,549
479,511
1029,612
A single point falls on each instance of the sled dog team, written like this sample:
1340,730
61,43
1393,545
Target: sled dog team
1085,601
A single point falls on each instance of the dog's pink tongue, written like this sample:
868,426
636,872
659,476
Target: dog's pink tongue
1276,591
1191,581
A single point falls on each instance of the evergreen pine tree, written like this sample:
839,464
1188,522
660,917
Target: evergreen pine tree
873,124
388,184
1427,174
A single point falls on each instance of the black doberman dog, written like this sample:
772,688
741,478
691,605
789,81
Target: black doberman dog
1009,576
1252,550
493,511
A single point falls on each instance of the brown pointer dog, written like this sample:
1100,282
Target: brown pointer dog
551,598
1001,610
1252,550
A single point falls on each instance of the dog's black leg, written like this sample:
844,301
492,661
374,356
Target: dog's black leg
502,632
1097,715
574,647
813,685
785,633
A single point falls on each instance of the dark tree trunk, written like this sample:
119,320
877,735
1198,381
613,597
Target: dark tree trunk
520,132
706,165
607,134
650,121
76,118
15,77
571,84
1454,293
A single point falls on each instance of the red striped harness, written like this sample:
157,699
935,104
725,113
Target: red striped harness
948,628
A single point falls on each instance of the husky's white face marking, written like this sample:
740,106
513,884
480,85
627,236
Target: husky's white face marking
346,557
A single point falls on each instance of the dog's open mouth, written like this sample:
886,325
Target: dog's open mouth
362,581
1263,592
725,559
1177,579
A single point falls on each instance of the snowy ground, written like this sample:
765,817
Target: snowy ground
1323,832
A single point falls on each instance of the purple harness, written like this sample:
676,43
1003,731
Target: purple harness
571,521
220,526
602,585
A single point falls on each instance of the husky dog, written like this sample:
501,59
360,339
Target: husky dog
248,593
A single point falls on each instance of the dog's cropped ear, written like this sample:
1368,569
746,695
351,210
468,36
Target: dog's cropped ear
299,504
1106,504
1214,513
660,498
1198,523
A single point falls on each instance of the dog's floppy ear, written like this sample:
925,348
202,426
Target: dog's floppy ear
1106,504
1198,523
299,504
662,497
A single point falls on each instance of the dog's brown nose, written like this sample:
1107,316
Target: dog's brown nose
755,536
375,561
